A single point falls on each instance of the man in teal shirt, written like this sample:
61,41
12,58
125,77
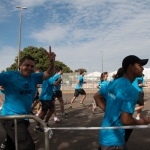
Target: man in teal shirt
121,98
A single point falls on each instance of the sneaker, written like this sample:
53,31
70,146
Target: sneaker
137,118
82,104
40,130
70,107
93,110
65,115
57,120
2,146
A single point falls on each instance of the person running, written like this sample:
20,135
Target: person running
121,93
36,97
46,98
58,94
20,87
103,82
79,89
139,83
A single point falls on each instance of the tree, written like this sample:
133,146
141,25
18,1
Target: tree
41,59
78,70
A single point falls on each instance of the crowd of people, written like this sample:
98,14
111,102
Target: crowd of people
28,87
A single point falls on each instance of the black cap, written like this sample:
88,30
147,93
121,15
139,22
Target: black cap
132,59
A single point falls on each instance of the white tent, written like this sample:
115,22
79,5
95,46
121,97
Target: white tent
94,74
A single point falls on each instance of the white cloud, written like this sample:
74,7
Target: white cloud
28,3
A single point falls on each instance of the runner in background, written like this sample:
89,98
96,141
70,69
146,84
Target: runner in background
103,82
139,83
46,98
58,94
36,97
79,90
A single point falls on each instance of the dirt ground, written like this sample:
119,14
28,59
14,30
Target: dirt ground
84,139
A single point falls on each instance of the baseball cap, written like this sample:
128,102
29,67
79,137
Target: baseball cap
132,59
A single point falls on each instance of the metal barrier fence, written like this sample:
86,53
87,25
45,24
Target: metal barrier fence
70,80
15,117
46,129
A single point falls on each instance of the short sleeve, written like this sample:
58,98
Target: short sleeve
4,78
103,90
129,101
79,78
51,81
38,77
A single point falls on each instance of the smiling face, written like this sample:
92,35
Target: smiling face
27,67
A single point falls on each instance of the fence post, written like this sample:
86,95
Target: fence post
16,135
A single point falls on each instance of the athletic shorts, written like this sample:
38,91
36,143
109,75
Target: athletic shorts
140,100
57,94
79,91
46,105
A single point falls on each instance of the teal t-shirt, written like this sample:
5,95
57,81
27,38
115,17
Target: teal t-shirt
103,83
47,89
56,77
138,81
79,86
120,97
19,91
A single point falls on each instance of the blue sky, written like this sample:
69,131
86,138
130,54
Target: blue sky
77,30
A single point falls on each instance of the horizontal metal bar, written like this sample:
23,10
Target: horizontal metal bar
98,128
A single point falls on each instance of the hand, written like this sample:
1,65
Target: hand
51,54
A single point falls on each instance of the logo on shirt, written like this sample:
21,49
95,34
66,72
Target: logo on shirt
112,93
26,90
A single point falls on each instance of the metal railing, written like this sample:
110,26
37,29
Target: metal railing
15,117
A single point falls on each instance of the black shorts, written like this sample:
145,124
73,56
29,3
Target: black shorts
79,91
140,100
57,94
46,105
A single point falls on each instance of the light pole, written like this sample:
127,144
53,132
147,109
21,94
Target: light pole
19,40
102,60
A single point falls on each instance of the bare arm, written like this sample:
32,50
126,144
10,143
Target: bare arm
99,100
51,69
98,87
57,82
143,85
127,119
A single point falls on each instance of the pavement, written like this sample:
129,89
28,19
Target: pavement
84,139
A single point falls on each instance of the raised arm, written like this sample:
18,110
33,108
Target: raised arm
51,69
